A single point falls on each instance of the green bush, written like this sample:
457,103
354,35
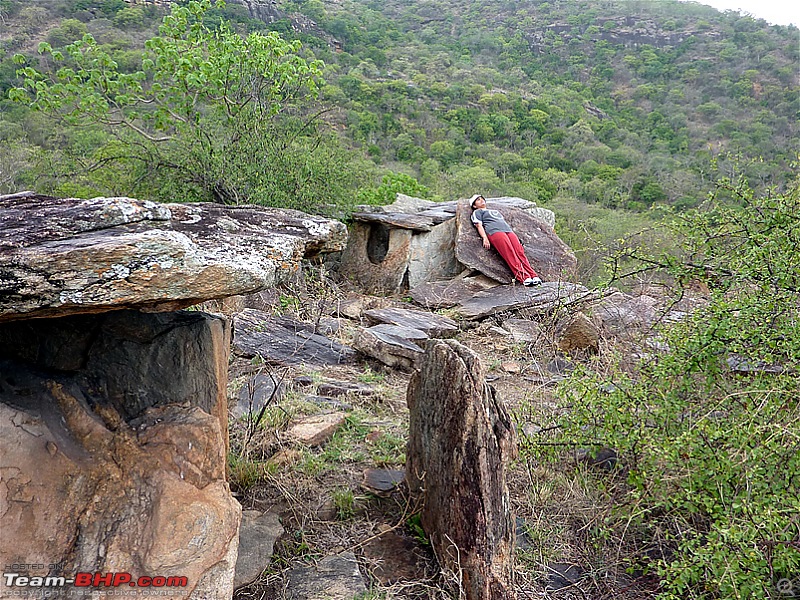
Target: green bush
707,427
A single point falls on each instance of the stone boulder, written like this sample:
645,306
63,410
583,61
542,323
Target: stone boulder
113,448
460,439
67,256
620,313
549,256
577,332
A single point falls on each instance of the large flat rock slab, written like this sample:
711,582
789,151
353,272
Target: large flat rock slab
549,256
285,341
396,219
433,325
543,298
68,256
446,294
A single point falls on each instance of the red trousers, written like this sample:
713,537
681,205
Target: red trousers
507,244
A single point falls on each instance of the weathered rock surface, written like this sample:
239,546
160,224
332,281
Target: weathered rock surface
524,330
285,341
67,256
382,482
549,256
391,349
542,299
113,447
332,578
620,313
395,219
392,558
341,388
257,536
376,257
445,294
434,325
315,430
255,394
432,255
460,439
577,332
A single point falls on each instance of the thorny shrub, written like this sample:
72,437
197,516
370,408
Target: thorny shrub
707,426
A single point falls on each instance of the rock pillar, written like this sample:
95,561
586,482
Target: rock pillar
460,440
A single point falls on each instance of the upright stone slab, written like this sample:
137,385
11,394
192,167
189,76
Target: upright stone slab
460,440
113,448
433,255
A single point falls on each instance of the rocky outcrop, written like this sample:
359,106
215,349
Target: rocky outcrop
113,422
550,257
412,243
460,438
113,438
67,256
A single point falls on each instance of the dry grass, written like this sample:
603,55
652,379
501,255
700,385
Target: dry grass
567,511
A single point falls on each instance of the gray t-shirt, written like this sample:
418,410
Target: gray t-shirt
492,220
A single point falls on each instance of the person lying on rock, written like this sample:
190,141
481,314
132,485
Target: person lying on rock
497,234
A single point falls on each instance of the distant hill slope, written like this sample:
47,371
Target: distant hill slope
619,103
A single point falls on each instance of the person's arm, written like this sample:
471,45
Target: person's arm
483,235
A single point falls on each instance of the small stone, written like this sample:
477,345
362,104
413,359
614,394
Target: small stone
303,381
604,458
393,557
382,482
499,331
333,578
511,367
257,536
340,388
285,458
259,391
560,576
578,333
373,436
52,449
317,429
328,401
524,330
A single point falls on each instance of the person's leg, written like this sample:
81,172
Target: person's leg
500,241
519,250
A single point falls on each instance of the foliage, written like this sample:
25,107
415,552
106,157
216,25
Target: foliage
708,425
391,185
210,115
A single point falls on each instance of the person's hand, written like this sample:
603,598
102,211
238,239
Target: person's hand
486,243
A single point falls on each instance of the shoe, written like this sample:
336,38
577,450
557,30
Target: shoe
532,281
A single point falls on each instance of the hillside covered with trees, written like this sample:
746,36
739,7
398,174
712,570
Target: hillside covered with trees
621,105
